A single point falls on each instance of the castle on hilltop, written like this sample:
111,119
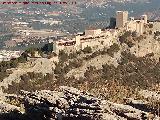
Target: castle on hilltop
137,25
97,38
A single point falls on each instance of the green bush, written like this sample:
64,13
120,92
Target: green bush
47,48
150,32
130,44
157,33
134,34
72,55
113,48
123,37
63,56
150,25
75,63
87,50
31,51
58,69
25,77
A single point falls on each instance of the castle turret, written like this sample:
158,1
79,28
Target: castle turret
144,17
78,41
121,18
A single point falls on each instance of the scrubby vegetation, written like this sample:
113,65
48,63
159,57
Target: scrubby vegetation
4,65
47,48
110,82
128,38
110,51
124,37
150,25
62,69
132,72
156,35
87,49
66,63
113,48
31,82
31,51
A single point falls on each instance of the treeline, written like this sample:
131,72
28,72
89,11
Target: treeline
46,49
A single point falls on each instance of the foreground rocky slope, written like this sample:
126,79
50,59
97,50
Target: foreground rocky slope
71,104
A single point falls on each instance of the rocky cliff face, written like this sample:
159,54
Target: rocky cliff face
71,104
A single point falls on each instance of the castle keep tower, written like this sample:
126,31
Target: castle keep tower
121,18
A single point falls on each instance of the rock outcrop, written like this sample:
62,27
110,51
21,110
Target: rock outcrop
71,104
6,108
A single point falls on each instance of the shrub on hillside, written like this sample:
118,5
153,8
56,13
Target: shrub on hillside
134,34
63,56
87,57
150,32
72,55
31,51
25,77
150,25
58,69
130,44
87,50
113,48
157,33
75,63
123,37
47,48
